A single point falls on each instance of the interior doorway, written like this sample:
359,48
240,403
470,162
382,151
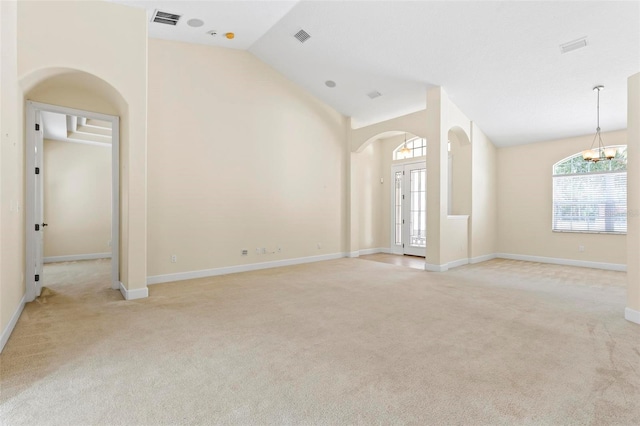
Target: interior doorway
77,127
409,209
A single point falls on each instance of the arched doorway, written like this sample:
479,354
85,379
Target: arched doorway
88,103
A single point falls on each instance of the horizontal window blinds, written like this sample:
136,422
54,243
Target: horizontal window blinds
594,202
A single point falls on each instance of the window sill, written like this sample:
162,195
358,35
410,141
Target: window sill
589,232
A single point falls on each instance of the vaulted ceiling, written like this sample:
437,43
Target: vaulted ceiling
500,62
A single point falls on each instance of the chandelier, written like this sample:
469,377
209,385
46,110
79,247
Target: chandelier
405,151
599,152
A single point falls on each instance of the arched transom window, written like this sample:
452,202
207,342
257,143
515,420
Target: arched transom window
416,147
591,197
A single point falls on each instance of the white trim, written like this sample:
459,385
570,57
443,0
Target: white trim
456,263
354,254
158,279
484,258
568,262
632,315
431,267
374,251
6,333
138,293
74,257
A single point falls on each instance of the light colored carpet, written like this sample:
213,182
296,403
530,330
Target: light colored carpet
347,341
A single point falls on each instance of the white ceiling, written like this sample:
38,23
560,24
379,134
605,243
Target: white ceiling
500,62
68,128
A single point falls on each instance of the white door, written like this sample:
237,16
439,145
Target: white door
409,209
38,213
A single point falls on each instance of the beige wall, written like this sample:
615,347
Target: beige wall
633,200
239,158
77,198
483,222
97,38
525,204
370,192
12,284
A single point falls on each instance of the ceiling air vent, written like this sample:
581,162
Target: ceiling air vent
165,18
302,36
573,45
374,94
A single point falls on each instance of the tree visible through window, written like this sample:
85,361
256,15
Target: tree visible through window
591,197
417,148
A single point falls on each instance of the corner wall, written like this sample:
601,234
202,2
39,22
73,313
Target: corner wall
97,38
632,312
239,158
12,284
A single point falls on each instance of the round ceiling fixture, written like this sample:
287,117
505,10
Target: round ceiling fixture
195,22
230,36
330,83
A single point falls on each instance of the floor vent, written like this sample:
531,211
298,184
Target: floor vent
165,18
302,36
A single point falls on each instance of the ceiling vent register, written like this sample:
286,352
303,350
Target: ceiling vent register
302,36
374,94
165,18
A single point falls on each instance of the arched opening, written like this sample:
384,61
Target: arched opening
389,195
73,144
459,172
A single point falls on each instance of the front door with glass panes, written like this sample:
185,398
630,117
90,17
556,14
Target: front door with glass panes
409,209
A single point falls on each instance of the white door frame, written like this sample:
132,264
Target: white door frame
33,108
395,249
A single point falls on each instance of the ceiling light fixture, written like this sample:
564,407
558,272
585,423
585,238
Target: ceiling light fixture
330,83
405,151
599,152
230,36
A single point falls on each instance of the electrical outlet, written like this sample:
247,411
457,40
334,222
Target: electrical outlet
319,246
174,258
581,248
258,251
264,250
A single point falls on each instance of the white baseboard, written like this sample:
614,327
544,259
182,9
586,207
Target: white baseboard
354,254
567,262
456,263
4,338
632,315
364,252
484,258
431,267
73,257
138,293
158,279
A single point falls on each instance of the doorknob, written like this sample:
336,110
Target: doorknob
44,224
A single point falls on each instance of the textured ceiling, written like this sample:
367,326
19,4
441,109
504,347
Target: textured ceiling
500,62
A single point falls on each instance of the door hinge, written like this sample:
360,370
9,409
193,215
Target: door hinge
37,127
403,196
402,223
37,277
37,170
37,227
402,247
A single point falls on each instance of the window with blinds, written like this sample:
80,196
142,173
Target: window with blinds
590,197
